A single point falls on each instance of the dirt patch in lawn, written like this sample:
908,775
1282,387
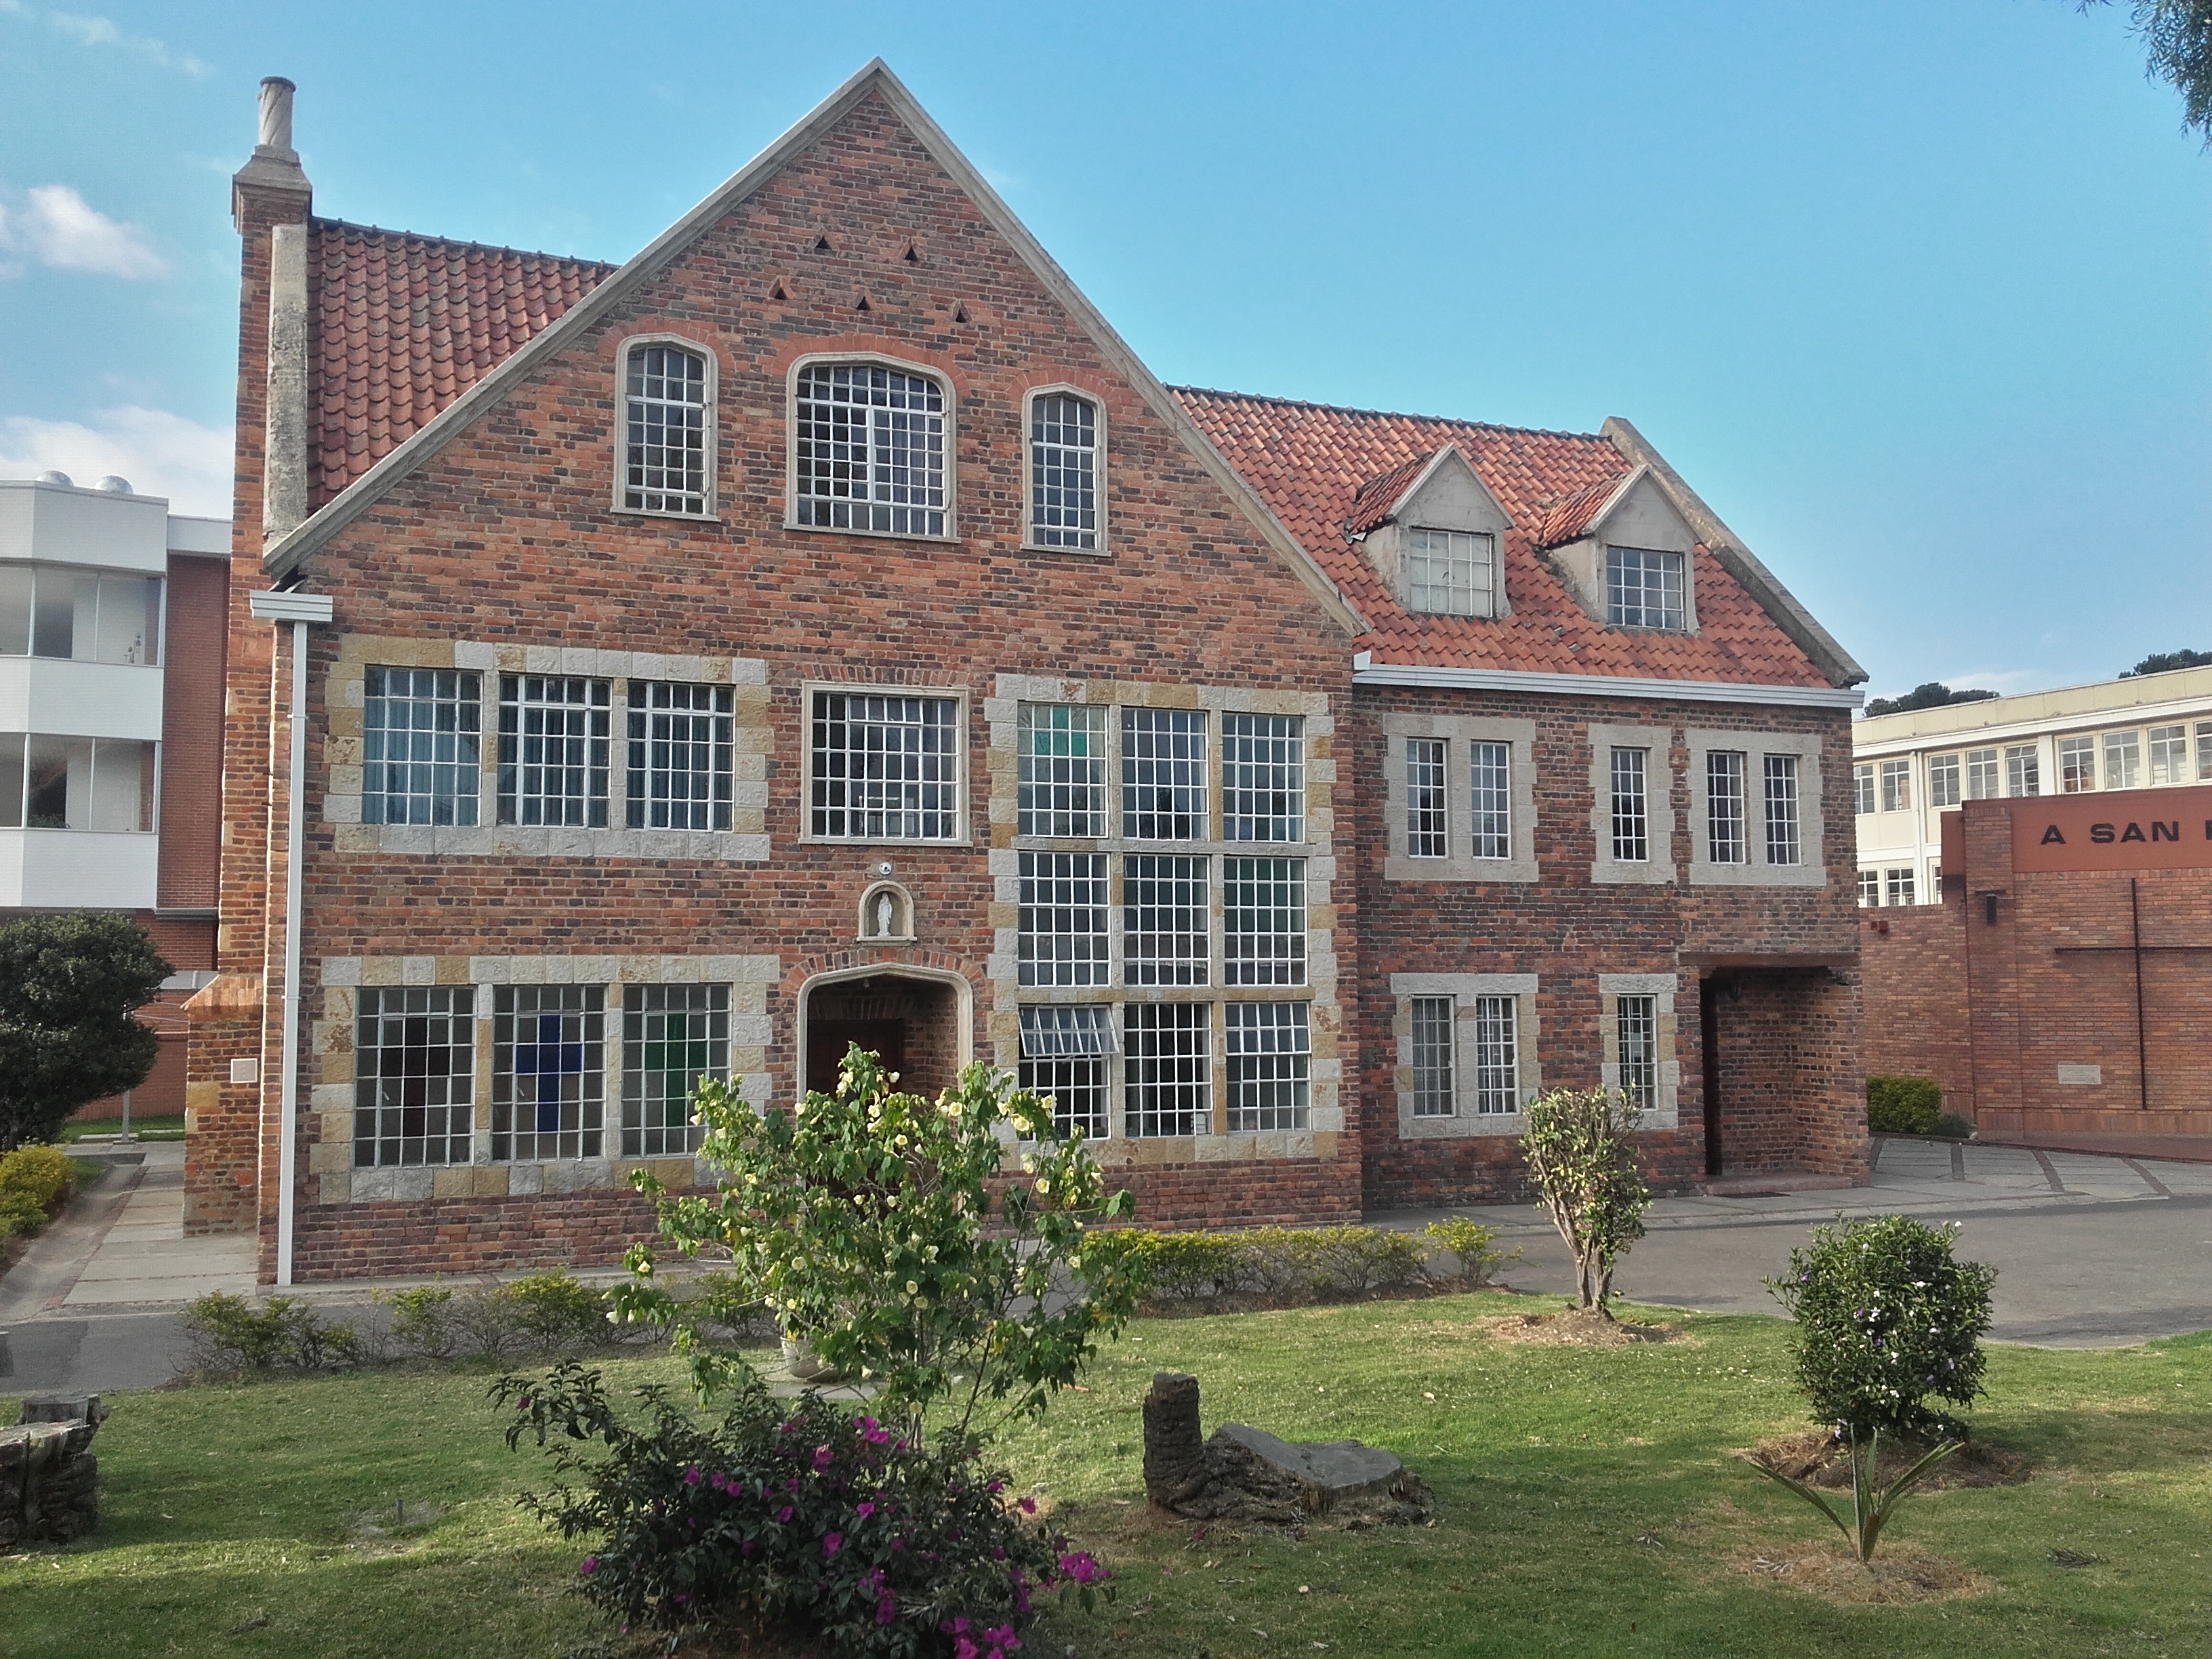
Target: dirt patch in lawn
1899,1576
1815,1456
1575,1328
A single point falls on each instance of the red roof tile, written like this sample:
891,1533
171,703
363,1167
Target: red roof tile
1321,468
403,325
1375,499
1564,521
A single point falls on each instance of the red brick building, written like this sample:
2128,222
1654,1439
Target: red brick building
823,628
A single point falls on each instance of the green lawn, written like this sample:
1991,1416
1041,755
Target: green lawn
1588,1507
145,1128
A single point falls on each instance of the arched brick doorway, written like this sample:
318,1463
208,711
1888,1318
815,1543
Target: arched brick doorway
918,1019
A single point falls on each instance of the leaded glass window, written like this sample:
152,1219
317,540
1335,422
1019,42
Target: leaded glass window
665,468
1631,818
870,449
1636,1023
1497,1025
1163,780
553,750
1061,939
1270,1053
1263,777
885,768
680,748
1164,915
1168,1083
1263,921
1063,471
1727,840
1062,785
548,1071
1433,1035
1783,845
421,745
414,1071
673,1037
1450,573
1644,588
1490,786
1428,831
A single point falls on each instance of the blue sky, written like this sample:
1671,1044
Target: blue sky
1915,296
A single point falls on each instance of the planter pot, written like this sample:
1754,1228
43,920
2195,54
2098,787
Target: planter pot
804,1364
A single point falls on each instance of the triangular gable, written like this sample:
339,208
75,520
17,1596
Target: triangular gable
1585,511
286,553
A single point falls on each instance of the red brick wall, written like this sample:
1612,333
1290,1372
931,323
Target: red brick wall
224,1119
1916,994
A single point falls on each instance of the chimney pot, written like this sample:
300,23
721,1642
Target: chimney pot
277,114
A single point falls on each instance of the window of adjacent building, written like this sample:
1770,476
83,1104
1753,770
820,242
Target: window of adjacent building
1897,885
1061,784
1934,880
88,615
1270,1053
75,783
680,747
415,1067
2169,754
1163,782
553,750
2123,760
870,449
2023,770
1897,786
885,768
421,745
1490,791
664,462
1163,919
1942,780
1167,1081
1783,845
1062,937
673,1037
1727,809
1428,831
1497,1054
2204,748
1263,921
1635,1025
1863,788
1263,777
1982,775
1064,1058
548,1071
2077,765
1063,471
1434,1021
1644,588
1632,816
1450,573
1869,887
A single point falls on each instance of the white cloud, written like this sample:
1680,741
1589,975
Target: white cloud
160,454
58,227
100,32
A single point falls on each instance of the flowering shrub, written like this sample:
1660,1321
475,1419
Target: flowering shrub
1886,1319
1585,1174
795,1517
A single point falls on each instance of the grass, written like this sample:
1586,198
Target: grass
1589,1507
142,1128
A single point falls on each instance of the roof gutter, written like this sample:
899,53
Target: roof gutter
1365,670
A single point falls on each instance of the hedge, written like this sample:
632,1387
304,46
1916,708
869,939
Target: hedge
1903,1105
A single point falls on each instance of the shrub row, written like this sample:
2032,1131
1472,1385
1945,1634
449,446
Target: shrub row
32,1180
1304,1263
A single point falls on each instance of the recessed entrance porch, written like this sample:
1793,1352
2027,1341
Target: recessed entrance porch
916,1020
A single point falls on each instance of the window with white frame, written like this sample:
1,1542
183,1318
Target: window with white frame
1870,888
1785,844
2123,760
1497,1022
1450,573
548,1071
1897,885
665,460
414,1068
1064,1054
1935,881
885,768
681,739
1982,775
2023,770
1428,828
870,449
1164,915
1263,777
1062,785
49,782
1063,470
2169,754
1863,788
1631,810
1728,807
1168,1069
1897,786
553,750
1434,1034
2077,765
1944,779
1163,782
85,615
1062,937
1636,1027
674,1037
2204,748
1490,786
1270,1055
1644,588
420,736
1263,921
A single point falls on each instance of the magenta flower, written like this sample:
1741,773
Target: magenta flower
1003,1639
864,1511
964,1648
1079,1565
823,1457
692,1475
784,1514
832,1542
886,1608
591,1565
1028,1506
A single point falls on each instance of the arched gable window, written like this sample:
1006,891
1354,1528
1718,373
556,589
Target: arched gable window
869,450
1064,442
667,429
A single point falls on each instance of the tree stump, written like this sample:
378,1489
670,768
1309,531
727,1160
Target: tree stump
49,1479
1174,1447
1248,1474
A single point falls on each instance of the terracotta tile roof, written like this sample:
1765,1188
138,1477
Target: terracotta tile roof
1564,521
403,325
1321,467
1373,504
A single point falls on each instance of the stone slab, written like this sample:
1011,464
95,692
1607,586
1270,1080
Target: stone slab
1333,1469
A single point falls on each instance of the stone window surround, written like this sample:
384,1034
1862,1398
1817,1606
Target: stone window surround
1002,1026
1812,870
1465,1122
752,742
332,1050
1664,987
711,452
963,833
1659,797
903,366
1065,389
1459,864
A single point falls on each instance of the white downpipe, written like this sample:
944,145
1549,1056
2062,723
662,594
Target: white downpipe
288,1157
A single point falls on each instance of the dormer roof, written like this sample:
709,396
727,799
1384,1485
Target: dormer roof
1573,517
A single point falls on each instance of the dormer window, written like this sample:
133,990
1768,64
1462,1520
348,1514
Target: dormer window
1644,588
667,435
1430,526
1450,573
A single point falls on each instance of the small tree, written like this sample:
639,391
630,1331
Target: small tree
1579,1156
69,986
887,1232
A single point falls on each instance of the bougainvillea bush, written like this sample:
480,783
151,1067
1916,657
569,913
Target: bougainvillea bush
799,1516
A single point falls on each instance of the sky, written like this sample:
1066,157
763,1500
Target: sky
1916,296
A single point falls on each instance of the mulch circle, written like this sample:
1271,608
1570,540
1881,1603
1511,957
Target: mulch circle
1815,1456
1576,1328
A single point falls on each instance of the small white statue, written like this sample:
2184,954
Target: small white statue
885,910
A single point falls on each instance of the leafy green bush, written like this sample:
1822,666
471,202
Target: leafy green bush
1180,1266
551,1313
1298,1263
817,1526
1471,1246
1952,1125
1353,1260
230,1335
1886,1320
1903,1105
1586,1177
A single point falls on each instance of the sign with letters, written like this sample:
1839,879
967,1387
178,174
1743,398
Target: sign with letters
2114,829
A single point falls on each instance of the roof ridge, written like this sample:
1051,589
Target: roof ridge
320,222
1383,414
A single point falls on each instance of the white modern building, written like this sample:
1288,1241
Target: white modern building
2145,732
